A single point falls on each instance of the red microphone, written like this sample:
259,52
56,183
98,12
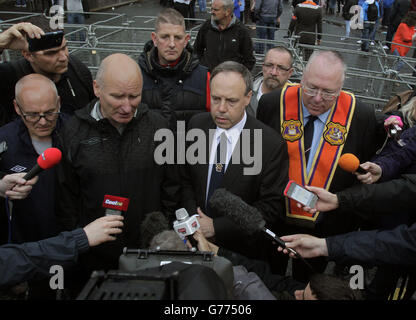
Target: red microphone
115,205
49,158
350,163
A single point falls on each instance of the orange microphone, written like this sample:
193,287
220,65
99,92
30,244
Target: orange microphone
350,163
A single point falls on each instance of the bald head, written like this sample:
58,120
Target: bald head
118,65
329,63
322,81
37,103
118,85
33,86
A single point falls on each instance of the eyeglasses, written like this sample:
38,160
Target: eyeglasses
35,117
271,66
217,9
325,95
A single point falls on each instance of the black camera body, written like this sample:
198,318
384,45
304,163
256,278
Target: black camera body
49,40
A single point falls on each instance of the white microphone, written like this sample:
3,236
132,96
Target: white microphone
185,226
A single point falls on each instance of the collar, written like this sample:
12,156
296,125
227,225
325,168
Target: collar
215,25
309,2
96,112
257,84
321,117
232,134
172,64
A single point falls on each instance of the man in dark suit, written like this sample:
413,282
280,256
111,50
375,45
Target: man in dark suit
319,122
234,135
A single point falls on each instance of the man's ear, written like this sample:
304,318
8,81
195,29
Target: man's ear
28,56
248,97
154,36
16,107
96,88
290,72
187,38
59,103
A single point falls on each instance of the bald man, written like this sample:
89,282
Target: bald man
108,149
23,140
319,122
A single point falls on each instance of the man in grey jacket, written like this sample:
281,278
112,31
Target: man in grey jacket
276,71
268,13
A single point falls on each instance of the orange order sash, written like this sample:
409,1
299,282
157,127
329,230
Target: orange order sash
330,147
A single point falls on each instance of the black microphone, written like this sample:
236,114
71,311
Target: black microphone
153,224
246,217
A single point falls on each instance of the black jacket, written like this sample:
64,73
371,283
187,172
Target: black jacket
376,247
98,160
397,246
78,77
177,92
31,260
346,14
307,18
398,11
371,201
234,43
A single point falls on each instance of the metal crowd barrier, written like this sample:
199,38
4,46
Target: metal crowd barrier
370,75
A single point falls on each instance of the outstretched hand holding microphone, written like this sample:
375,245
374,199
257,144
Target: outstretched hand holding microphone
367,172
17,186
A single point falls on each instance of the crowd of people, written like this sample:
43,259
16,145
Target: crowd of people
249,135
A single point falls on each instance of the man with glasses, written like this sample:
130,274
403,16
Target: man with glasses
24,139
277,69
320,122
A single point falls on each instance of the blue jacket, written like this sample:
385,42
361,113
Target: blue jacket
395,160
236,9
33,218
365,9
388,3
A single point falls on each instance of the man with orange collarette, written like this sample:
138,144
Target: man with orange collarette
319,122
